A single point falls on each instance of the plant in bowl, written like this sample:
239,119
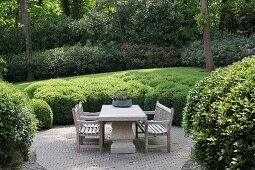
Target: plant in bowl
121,99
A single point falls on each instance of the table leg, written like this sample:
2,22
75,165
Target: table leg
122,137
101,140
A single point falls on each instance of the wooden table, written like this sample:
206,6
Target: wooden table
122,131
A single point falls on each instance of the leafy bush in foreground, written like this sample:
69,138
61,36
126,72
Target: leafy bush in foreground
17,126
220,114
43,114
170,86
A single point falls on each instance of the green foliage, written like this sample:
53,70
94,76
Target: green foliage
235,16
61,99
17,126
170,86
17,67
3,69
11,41
149,56
75,60
43,114
78,59
226,49
219,115
164,23
121,95
201,20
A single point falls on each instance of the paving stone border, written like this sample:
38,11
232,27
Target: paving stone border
55,150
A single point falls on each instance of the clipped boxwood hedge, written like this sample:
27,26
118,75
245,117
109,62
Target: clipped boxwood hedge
17,126
220,116
61,100
170,86
43,114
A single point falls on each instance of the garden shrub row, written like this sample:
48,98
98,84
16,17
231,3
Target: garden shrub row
17,126
78,59
169,86
226,49
220,114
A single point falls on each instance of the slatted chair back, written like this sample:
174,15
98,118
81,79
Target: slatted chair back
163,113
85,129
76,117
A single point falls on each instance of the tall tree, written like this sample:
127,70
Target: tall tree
27,34
207,39
76,9
40,2
66,7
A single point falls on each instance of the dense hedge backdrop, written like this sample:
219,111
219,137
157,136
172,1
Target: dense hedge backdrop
78,59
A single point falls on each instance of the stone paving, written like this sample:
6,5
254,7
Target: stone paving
55,149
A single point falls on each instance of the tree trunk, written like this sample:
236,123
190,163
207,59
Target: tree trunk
223,12
27,34
120,19
40,2
66,7
207,40
76,9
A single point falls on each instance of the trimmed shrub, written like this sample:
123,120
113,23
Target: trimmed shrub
169,86
43,114
219,115
75,60
61,100
226,49
3,69
78,59
17,126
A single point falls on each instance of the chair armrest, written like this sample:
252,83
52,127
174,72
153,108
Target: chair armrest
149,112
155,122
89,118
90,113
82,122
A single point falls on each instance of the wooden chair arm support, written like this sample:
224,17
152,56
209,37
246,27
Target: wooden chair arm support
155,122
81,122
89,117
149,112
90,114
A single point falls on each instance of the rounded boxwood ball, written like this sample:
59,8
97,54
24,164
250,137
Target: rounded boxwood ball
43,114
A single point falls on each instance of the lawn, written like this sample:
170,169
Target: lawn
177,74
167,85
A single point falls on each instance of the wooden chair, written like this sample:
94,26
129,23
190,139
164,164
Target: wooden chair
159,126
87,115
87,127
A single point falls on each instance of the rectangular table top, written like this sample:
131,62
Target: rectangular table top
111,113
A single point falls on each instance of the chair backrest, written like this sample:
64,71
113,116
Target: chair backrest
163,113
75,112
